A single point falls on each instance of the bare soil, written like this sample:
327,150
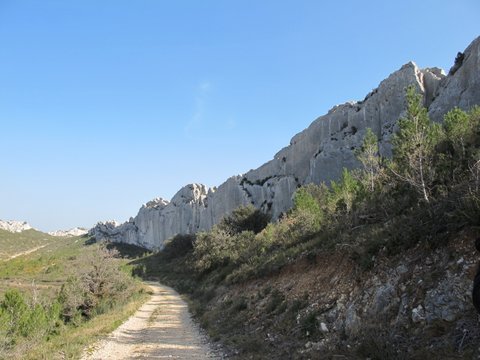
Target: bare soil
161,328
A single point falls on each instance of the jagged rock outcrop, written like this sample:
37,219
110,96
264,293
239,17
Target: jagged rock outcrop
76,231
317,154
461,88
14,226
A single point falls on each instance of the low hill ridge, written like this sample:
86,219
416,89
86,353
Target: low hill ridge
76,231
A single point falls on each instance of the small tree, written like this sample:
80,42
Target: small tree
345,191
244,218
457,130
414,145
303,200
370,158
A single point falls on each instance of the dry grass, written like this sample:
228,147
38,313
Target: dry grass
71,344
40,274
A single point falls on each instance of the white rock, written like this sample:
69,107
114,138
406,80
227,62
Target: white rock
323,327
418,314
14,226
76,231
460,88
317,154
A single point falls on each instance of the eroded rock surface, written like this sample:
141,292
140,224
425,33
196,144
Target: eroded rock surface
317,154
14,226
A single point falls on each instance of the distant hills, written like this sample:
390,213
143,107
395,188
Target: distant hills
76,231
15,226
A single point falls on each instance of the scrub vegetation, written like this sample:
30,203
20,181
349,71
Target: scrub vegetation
424,195
57,299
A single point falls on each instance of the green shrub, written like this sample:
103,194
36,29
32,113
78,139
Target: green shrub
414,145
178,246
309,324
276,299
23,321
96,289
244,218
239,304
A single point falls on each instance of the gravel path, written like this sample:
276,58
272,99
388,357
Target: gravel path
160,329
26,252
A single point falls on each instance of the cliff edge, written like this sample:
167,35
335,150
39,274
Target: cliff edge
317,154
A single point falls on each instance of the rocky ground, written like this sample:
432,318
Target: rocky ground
327,307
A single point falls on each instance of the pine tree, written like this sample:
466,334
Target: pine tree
345,191
414,145
369,156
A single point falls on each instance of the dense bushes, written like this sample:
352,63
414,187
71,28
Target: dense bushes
23,322
231,241
178,246
95,290
244,218
429,186
423,195
95,287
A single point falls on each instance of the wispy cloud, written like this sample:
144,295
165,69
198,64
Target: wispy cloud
197,118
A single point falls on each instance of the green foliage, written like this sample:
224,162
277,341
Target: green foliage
458,129
304,200
244,218
14,243
95,290
426,193
365,208
22,321
369,156
306,205
44,294
178,246
276,299
309,324
232,241
414,145
345,192
459,153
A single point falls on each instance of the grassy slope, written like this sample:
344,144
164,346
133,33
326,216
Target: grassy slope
13,243
275,316
41,273
44,269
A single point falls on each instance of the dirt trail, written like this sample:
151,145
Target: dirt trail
25,252
161,328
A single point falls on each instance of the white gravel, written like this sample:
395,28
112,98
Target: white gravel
161,329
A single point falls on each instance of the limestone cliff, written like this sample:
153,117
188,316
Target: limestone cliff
14,226
317,154
76,231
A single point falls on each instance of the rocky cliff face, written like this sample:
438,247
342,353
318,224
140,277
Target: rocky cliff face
14,226
317,154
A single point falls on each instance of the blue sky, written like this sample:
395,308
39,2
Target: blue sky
107,104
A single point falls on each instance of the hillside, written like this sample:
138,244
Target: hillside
377,265
46,308
317,154
17,242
